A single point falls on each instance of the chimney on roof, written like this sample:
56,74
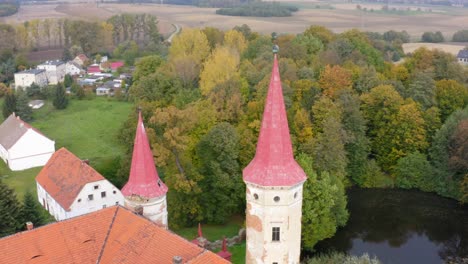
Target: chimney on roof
86,161
29,225
177,260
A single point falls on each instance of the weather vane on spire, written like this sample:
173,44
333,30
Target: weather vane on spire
274,36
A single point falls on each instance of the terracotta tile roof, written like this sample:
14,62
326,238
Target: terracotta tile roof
274,164
76,240
207,257
12,129
116,65
111,235
65,175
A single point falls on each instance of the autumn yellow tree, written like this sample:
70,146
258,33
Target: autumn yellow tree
221,66
235,40
188,51
333,79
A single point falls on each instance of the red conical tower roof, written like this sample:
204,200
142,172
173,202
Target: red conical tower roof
144,180
274,164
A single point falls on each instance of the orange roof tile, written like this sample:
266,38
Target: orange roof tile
111,235
76,240
65,175
207,257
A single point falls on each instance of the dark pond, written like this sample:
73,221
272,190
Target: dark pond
401,226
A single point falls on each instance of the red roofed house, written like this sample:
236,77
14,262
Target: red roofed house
111,235
115,65
274,187
81,59
145,192
93,69
68,187
22,146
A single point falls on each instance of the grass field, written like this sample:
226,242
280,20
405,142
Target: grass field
214,232
88,128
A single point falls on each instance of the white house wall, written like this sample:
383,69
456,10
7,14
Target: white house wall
26,79
263,213
72,69
49,203
31,150
84,206
3,154
55,73
154,209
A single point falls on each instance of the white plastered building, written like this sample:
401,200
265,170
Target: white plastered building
55,70
67,187
25,78
72,68
22,146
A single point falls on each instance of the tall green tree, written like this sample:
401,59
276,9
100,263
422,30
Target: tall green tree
10,208
448,178
9,105
422,89
60,99
380,106
357,145
32,211
323,204
450,95
329,142
22,106
414,171
222,184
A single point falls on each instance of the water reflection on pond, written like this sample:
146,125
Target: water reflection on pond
401,226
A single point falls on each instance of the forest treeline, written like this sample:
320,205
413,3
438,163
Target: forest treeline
259,9
356,118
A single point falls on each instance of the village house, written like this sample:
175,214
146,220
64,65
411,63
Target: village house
108,87
25,78
67,187
22,146
111,235
81,59
463,56
72,68
55,70
94,68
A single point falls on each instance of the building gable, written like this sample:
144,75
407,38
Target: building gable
64,176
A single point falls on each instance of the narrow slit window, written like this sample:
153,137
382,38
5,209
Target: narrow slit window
275,234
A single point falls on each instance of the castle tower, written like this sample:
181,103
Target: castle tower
274,187
144,192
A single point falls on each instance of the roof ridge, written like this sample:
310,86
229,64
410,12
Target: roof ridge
107,235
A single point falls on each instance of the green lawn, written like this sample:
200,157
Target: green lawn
88,128
213,232
238,253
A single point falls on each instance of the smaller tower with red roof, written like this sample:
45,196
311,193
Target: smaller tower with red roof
274,183
144,192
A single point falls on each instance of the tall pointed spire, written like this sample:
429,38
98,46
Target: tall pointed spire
274,164
144,180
